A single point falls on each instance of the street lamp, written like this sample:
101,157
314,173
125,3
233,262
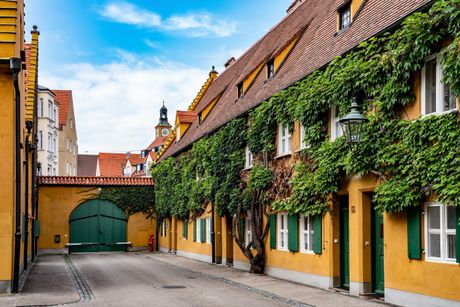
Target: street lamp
353,125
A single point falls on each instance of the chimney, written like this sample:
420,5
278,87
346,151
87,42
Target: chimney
295,4
229,62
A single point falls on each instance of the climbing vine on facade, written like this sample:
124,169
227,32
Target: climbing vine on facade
413,159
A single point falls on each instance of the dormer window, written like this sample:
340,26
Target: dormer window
240,90
271,69
345,16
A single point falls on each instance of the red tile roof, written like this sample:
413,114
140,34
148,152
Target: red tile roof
111,164
159,141
319,43
186,117
64,97
94,181
87,165
136,159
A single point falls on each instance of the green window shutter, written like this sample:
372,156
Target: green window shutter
293,233
318,234
413,233
273,231
458,234
194,230
185,230
242,229
203,230
37,229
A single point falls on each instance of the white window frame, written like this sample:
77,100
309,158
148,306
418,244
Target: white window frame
336,130
50,112
208,230
247,230
309,233
282,233
439,89
443,232
198,230
40,139
302,144
248,162
284,138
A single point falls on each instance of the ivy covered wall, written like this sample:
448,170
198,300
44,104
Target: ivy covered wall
415,159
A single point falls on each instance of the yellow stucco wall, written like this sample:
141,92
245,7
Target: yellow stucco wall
419,276
11,45
55,205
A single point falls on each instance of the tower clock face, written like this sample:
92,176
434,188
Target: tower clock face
164,132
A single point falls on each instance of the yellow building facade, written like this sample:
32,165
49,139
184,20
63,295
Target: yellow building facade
18,82
361,251
59,199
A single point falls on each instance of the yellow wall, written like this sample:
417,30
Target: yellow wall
139,229
297,261
252,76
419,276
56,203
11,45
281,57
208,109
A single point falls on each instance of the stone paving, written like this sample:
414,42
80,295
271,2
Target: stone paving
144,279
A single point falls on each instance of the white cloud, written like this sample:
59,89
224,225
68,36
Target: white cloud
125,12
117,105
194,25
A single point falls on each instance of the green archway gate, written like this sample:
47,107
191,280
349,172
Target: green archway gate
96,226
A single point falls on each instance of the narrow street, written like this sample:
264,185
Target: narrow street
141,279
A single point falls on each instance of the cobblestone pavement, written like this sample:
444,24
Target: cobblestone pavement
142,279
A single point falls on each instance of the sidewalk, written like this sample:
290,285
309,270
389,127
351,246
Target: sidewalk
48,283
266,285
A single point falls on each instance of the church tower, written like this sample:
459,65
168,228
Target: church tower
164,127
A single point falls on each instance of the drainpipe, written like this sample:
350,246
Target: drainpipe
29,126
15,67
213,236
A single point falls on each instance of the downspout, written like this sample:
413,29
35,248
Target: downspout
15,67
29,126
213,236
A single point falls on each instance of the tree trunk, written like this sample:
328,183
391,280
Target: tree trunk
254,250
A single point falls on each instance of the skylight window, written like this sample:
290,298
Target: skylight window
345,17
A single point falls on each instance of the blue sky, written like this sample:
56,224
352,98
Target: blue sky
122,58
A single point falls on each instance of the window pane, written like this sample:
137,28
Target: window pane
305,223
451,247
433,218
430,86
451,218
449,100
305,240
435,245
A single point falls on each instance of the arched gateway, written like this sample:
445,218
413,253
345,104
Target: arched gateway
96,226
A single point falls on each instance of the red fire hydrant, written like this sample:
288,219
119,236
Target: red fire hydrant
151,243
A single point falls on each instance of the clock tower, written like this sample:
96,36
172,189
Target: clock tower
163,128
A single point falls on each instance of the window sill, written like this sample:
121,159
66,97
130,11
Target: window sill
455,111
439,261
282,249
307,252
248,168
282,155
302,149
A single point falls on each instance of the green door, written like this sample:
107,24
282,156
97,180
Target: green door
97,225
378,279
344,243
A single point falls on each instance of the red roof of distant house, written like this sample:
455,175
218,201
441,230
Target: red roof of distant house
159,141
135,159
87,165
64,97
95,181
186,116
111,164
